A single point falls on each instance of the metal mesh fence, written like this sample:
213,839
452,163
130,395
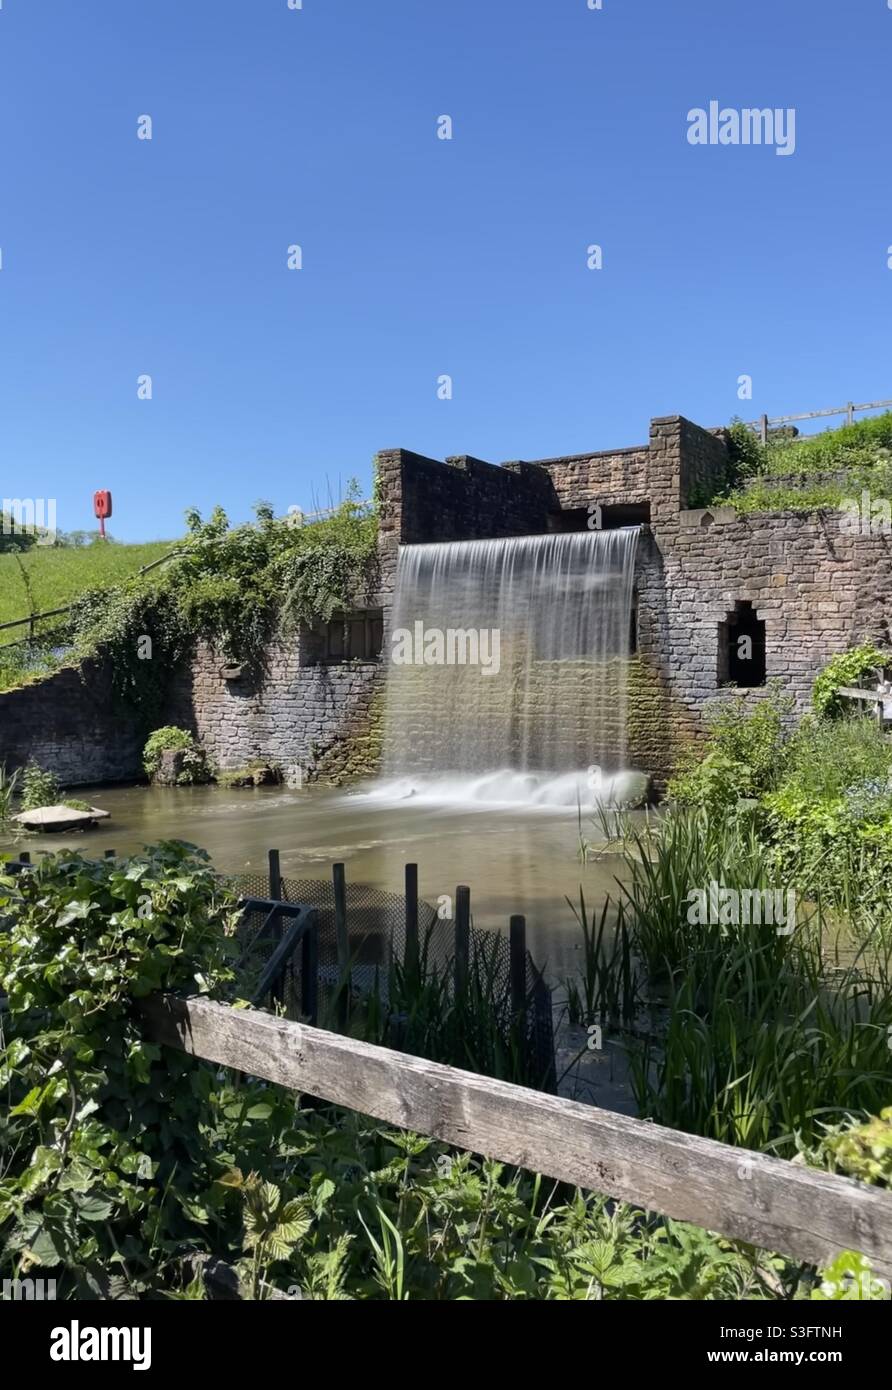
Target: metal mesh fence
376,928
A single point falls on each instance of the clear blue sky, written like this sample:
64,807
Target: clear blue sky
421,256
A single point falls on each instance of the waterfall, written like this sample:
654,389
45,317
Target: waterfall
508,665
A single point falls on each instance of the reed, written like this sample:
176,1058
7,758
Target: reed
9,782
417,1009
764,1036
608,989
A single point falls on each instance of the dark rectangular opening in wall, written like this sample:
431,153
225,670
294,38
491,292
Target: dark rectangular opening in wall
741,648
345,637
624,514
571,519
593,517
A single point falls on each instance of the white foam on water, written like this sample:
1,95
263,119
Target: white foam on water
564,791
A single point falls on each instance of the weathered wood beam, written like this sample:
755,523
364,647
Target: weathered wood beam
852,693
768,1202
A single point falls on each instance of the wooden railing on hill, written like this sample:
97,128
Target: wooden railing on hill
57,612
781,1206
850,410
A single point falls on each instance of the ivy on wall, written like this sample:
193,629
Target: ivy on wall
239,588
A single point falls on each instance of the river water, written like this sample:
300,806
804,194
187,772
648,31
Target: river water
516,859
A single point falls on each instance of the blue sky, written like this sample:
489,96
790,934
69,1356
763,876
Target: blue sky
421,257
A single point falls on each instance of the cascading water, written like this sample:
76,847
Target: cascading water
508,665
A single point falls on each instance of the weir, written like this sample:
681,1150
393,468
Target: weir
508,669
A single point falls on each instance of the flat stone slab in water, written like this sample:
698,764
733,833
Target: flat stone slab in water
49,818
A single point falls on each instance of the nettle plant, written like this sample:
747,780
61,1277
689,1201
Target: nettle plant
101,1146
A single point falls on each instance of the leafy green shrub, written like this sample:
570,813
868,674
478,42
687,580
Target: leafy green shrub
100,1140
39,788
850,1278
829,824
828,854
864,1151
194,769
848,668
827,758
746,451
742,755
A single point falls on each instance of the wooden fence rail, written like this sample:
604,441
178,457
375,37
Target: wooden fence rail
33,618
805,1214
850,410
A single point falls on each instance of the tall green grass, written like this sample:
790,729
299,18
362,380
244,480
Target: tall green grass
757,1038
9,782
608,988
417,1008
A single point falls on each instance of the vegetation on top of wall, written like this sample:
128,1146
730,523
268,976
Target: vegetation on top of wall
808,474
239,588
859,445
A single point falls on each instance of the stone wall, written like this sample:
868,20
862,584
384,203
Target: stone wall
71,724
462,499
294,715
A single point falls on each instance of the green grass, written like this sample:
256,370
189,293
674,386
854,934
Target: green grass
57,577
816,472
863,444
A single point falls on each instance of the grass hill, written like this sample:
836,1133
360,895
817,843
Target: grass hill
57,577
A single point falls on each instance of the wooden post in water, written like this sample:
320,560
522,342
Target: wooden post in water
309,972
343,943
462,937
412,958
517,944
275,893
275,876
